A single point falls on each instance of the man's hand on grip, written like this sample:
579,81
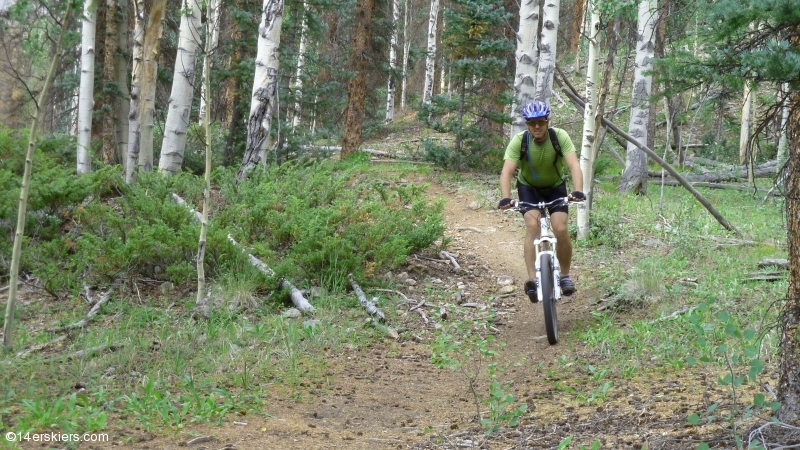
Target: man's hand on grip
577,196
504,204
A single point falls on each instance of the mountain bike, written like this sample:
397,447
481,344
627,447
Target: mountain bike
548,289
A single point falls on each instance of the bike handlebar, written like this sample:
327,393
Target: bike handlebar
560,200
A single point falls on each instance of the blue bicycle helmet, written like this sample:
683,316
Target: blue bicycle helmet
535,110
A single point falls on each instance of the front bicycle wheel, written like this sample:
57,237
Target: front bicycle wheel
549,298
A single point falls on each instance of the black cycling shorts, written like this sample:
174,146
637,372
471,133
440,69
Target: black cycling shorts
538,195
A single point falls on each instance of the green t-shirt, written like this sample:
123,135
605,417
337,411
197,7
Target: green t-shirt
548,169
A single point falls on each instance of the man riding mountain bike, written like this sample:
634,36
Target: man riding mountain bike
541,153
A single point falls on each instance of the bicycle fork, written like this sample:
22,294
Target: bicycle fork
549,239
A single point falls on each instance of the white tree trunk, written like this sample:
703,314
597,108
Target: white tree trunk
744,131
783,142
527,57
213,38
427,92
180,99
547,51
406,48
122,108
635,175
86,99
265,85
298,78
137,62
589,132
392,61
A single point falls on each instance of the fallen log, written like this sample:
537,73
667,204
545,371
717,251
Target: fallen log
104,297
372,310
38,347
774,262
731,175
296,295
765,276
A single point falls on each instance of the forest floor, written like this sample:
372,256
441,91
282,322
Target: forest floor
389,395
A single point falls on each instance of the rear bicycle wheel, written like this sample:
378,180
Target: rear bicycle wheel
549,299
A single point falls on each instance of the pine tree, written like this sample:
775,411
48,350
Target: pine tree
476,58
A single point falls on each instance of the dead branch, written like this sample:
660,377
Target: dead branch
408,300
469,229
671,316
198,217
89,351
452,259
422,314
39,347
372,310
104,297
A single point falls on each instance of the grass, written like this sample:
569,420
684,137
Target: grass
172,370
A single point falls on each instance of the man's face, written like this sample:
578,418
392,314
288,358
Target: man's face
538,129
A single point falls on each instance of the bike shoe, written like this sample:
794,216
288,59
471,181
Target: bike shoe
530,289
567,286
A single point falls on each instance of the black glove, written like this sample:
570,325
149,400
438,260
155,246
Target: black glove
504,203
577,196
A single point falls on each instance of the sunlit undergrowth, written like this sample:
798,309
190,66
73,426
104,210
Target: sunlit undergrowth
315,221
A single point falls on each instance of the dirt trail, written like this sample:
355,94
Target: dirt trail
391,395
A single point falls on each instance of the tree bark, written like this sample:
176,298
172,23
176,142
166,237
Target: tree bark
356,88
111,97
427,91
86,99
789,379
783,142
578,16
634,178
201,245
212,34
141,149
406,47
589,132
22,208
180,99
233,95
134,113
390,89
265,87
547,51
298,78
527,60
122,104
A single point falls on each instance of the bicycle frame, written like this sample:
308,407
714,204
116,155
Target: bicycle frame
545,244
